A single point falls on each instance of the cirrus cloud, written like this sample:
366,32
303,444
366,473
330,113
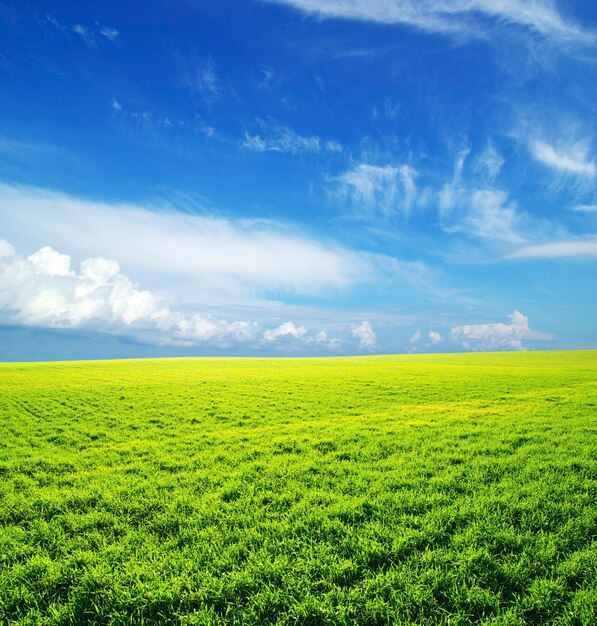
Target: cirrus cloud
215,257
456,17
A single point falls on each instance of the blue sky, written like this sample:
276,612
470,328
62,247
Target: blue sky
296,177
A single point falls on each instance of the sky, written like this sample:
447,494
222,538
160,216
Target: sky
297,177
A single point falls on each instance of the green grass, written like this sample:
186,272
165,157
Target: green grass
450,489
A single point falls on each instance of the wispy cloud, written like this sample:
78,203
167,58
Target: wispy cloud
572,159
489,215
267,76
276,138
109,33
202,78
581,247
86,35
90,34
50,19
213,254
497,336
372,190
585,208
458,17
475,208
488,165
16,150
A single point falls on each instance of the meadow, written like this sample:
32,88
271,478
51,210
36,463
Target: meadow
428,490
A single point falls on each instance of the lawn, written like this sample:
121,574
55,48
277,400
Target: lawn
428,490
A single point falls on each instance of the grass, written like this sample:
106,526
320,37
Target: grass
428,490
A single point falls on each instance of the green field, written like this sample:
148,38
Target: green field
445,489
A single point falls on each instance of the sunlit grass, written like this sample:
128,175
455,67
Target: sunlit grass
449,489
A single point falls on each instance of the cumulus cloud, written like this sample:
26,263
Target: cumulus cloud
218,259
365,334
435,337
287,329
43,290
372,190
498,336
48,262
288,334
572,159
458,17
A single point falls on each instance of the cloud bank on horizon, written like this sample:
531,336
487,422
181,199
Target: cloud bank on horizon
387,176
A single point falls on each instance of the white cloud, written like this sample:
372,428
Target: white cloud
207,79
6,249
480,212
276,138
201,78
374,189
267,74
435,337
486,214
585,208
54,22
333,146
290,336
116,105
491,216
415,338
459,17
450,192
42,290
89,34
575,248
48,262
287,329
85,34
109,33
498,336
488,165
321,338
365,334
572,159
213,258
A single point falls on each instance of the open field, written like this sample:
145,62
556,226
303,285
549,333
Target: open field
447,489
